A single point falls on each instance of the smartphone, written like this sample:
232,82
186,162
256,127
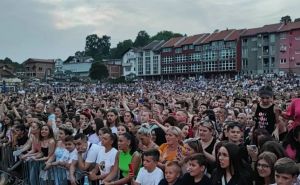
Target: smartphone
252,147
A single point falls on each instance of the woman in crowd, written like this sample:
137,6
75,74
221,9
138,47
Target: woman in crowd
264,173
127,159
172,149
61,154
145,139
33,143
96,125
122,128
230,168
208,140
47,143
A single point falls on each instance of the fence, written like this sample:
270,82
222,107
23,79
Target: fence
32,172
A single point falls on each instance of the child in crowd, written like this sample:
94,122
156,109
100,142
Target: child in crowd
172,174
150,174
195,176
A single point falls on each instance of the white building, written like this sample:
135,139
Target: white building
58,65
144,62
79,66
150,65
130,60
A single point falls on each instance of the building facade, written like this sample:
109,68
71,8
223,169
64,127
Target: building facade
203,54
260,50
150,65
114,67
273,48
78,66
39,68
289,48
130,61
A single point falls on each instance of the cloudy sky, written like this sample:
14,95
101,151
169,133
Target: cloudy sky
57,28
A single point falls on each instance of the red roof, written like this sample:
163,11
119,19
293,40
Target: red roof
265,29
231,34
191,39
290,26
235,35
202,39
172,42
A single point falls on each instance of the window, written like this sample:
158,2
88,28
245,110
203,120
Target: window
198,48
282,35
140,66
178,50
155,64
147,53
148,65
191,46
272,38
40,69
166,50
283,61
185,47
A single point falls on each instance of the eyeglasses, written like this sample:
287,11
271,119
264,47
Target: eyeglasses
264,166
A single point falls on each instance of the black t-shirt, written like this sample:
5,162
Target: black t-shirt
265,118
187,179
164,182
22,141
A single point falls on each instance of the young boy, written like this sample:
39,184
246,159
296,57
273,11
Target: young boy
286,171
196,169
172,174
150,174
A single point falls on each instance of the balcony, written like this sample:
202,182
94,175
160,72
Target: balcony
127,64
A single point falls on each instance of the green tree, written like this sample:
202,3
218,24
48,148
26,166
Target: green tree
121,48
98,71
165,35
79,54
286,19
141,39
96,47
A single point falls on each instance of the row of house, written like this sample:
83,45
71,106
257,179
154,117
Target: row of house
272,48
73,66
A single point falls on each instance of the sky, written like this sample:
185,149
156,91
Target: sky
51,29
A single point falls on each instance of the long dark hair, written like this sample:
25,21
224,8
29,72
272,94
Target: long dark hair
133,142
237,166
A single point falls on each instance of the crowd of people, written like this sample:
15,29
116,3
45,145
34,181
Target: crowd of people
219,131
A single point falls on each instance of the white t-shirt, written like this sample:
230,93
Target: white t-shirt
146,178
91,153
114,129
106,160
73,156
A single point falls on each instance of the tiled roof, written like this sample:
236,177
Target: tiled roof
202,39
231,34
191,39
265,29
173,42
235,35
40,60
290,26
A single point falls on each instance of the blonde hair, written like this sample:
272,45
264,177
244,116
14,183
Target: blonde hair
175,130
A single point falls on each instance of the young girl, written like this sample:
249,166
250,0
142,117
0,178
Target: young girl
172,174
